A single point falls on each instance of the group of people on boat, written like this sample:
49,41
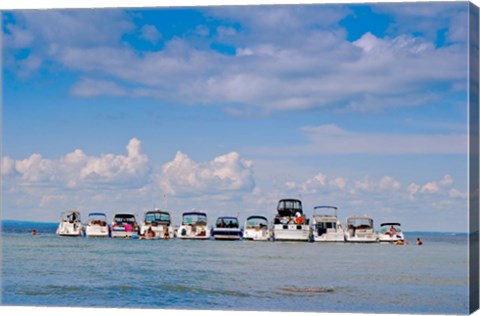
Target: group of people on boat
151,234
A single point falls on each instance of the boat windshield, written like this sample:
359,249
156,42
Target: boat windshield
256,222
97,219
157,217
360,223
227,222
327,225
194,219
124,218
392,228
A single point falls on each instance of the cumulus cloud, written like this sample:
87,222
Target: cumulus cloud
323,183
7,167
226,173
430,187
77,170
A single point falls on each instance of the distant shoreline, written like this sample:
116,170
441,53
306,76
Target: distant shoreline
31,223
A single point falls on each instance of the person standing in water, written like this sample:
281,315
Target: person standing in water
419,242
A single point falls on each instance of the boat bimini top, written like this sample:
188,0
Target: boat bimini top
192,218
322,215
289,207
124,218
157,217
360,222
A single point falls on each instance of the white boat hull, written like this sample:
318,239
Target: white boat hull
291,232
122,234
227,234
96,231
364,236
256,234
391,238
66,229
187,232
159,231
330,237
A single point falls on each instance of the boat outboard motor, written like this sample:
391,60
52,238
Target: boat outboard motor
183,232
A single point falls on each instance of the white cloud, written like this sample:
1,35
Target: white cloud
430,187
316,68
413,189
7,167
389,183
150,33
454,193
77,170
87,87
226,173
332,139
447,180
338,182
321,183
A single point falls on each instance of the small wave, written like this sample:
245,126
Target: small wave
307,290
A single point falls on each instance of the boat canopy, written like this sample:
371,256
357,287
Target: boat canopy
321,207
96,214
360,222
227,222
194,213
390,224
157,216
124,218
193,218
257,221
289,207
70,216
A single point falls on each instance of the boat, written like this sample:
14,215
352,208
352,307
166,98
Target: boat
157,224
70,224
194,226
124,225
227,228
390,232
326,227
97,225
256,228
360,229
290,224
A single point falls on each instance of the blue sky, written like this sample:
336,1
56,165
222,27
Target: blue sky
229,109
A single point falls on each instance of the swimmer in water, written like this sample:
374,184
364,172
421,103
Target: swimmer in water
34,232
419,242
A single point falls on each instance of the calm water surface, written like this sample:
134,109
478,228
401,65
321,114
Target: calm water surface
47,270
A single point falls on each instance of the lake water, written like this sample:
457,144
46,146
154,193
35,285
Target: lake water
46,270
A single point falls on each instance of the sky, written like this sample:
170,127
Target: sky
229,109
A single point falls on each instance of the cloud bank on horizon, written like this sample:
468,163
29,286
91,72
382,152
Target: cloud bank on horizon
232,108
